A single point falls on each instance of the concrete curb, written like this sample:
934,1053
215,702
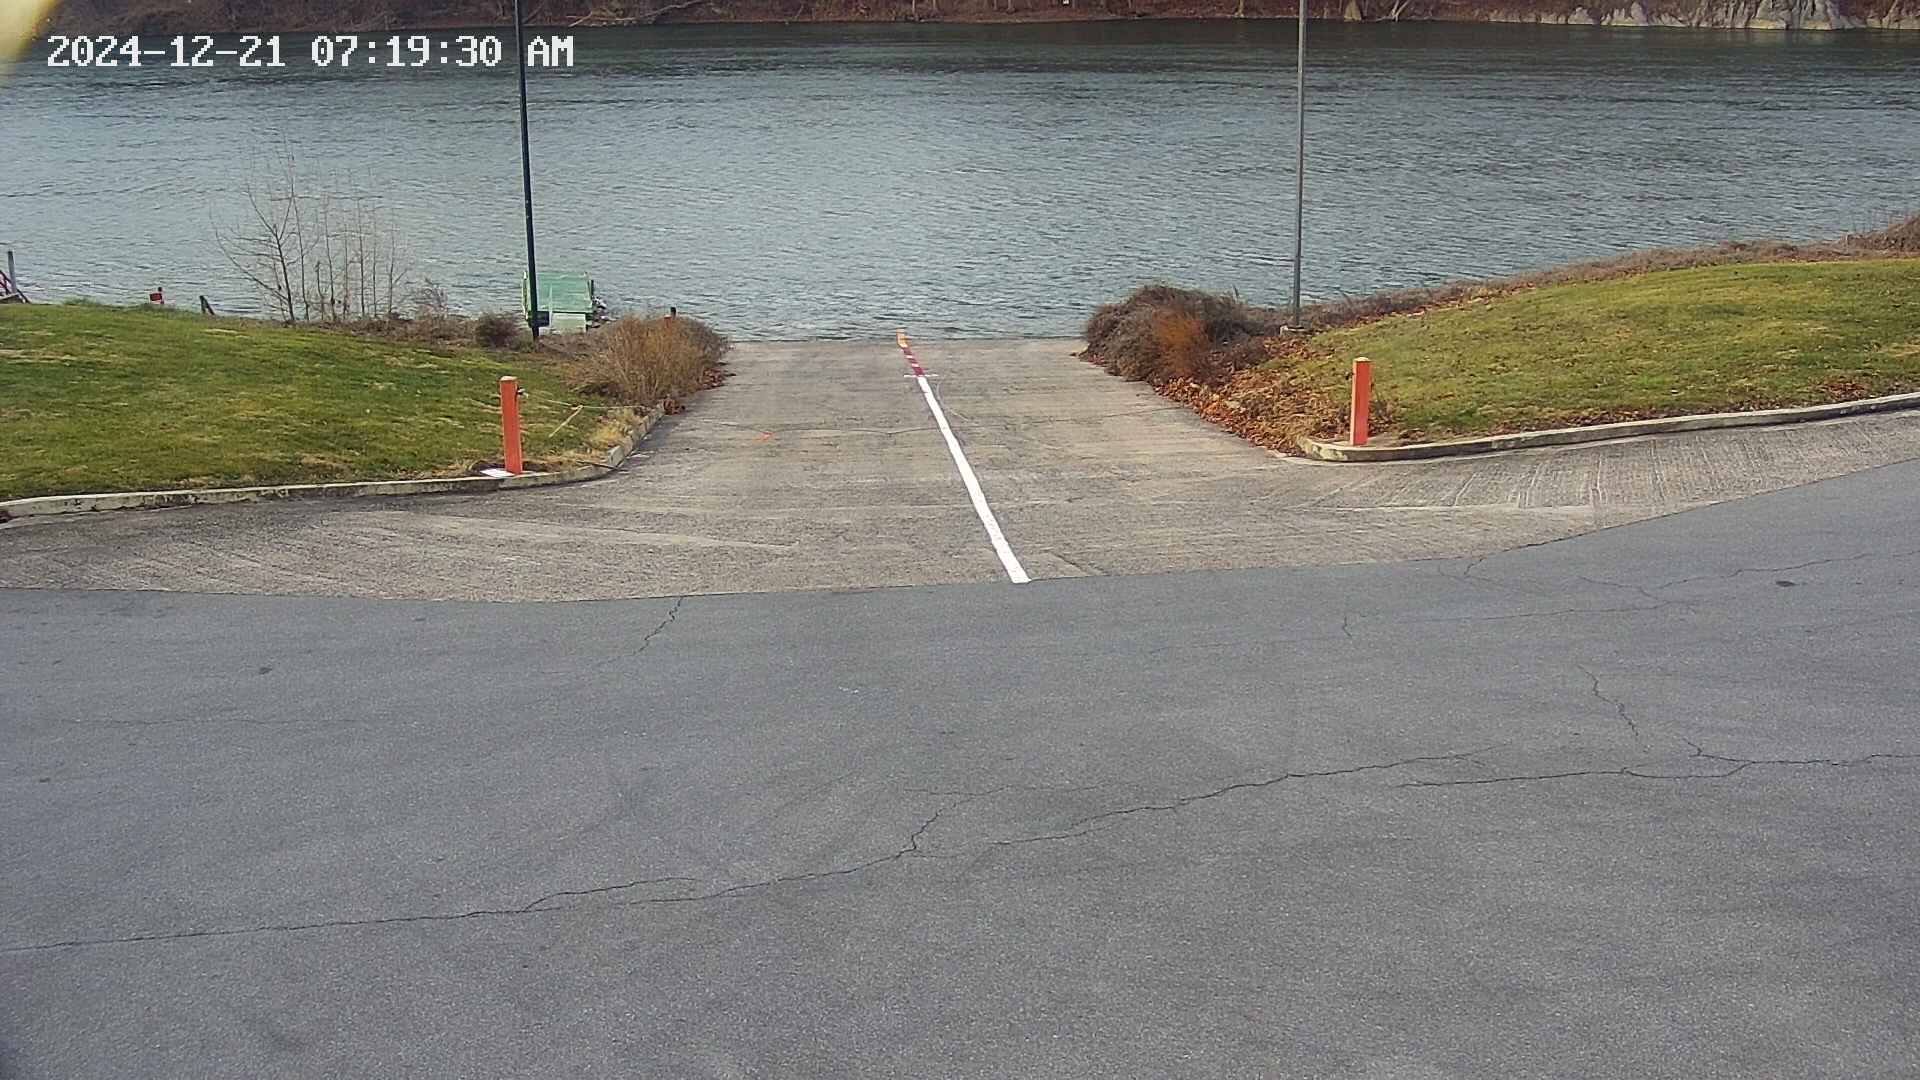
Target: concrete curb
46,505
1329,451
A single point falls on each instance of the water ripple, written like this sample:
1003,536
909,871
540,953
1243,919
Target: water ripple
841,181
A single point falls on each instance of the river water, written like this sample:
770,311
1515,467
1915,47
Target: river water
825,181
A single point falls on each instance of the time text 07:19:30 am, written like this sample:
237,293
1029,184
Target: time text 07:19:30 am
323,50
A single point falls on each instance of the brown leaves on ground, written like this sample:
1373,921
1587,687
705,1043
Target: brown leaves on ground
1232,363
710,378
1276,390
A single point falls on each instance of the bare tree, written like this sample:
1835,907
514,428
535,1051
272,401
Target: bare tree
265,247
314,252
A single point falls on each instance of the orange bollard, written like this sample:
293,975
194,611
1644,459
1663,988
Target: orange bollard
1362,399
510,422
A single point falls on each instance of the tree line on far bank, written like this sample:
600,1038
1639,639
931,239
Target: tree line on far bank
349,16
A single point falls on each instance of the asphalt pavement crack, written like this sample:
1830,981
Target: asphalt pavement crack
1085,825
1469,573
1514,615
1658,601
603,889
176,721
1637,772
272,928
912,846
1619,707
909,849
664,623
1789,569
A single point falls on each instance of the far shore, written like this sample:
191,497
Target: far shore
1837,15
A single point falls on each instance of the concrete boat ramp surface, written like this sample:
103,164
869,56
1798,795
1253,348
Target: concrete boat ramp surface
1635,803
819,465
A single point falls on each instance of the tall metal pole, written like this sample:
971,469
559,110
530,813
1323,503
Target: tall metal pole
526,172
1300,167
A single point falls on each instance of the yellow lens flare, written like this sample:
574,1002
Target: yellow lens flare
18,20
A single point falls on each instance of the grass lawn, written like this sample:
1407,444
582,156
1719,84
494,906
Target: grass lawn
1683,341
97,398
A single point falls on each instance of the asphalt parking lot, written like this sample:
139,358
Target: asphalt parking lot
1271,770
1636,803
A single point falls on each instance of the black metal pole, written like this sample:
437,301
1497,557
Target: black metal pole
526,171
1300,165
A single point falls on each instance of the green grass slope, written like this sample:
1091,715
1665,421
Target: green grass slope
1685,341
98,398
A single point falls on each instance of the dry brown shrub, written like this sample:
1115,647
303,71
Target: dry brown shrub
1161,333
646,361
1899,236
495,331
1180,338
432,328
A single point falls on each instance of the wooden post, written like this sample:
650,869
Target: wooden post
1362,400
510,423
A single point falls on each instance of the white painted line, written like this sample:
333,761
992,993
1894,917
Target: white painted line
1015,572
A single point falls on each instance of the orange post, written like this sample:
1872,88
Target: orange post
510,422
1362,399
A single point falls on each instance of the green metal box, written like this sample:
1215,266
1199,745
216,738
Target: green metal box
568,298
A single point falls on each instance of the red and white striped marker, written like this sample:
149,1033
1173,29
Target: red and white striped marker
906,349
